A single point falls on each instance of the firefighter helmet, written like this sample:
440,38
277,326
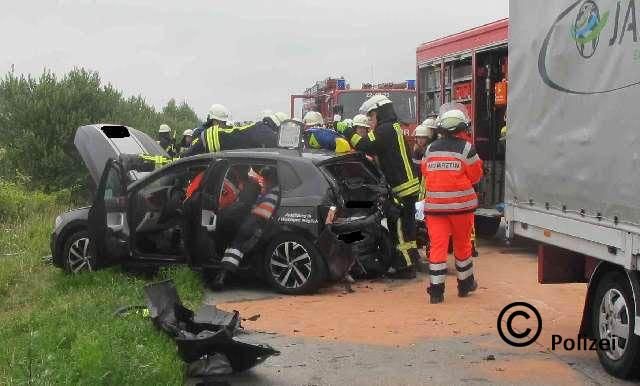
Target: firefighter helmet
164,128
361,120
279,117
373,103
219,113
422,131
188,132
313,118
453,117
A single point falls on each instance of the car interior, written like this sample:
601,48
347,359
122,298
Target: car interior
165,224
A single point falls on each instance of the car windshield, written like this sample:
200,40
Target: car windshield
404,103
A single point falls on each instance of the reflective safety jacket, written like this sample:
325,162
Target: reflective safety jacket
216,138
451,167
387,142
322,138
267,203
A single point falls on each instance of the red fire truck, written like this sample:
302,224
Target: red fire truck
471,67
334,96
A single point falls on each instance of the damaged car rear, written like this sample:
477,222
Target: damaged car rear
329,219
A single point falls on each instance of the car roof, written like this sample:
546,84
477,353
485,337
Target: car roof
293,156
276,154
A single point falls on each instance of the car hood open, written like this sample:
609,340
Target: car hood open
99,142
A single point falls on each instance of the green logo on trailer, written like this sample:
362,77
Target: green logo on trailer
587,28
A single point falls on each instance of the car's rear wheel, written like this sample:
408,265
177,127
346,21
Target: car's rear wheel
293,265
78,253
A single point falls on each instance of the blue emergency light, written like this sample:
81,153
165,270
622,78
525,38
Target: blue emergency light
341,84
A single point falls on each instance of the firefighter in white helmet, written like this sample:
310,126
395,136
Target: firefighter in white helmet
361,124
451,167
185,142
423,134
166,140
313,119
386,142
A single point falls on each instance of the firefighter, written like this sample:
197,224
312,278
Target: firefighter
386,141
451,167
252,228
313,119
185,142
323,138
165,139
361,124
219,136
424,135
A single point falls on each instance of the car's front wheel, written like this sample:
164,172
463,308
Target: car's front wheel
293,265
78,253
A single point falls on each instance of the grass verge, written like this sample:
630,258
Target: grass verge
60,329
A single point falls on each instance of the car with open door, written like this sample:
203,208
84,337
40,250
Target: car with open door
329,218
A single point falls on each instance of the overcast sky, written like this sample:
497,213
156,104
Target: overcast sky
248,55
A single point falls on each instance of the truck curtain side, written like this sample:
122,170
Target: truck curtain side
471,68
572,164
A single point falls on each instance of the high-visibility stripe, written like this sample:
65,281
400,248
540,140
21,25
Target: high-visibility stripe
461,205
437,266
355,139
464,274
410,191
467,149
401,243
463,263
267,205
271,196
233,256
473,159
450,154
372,136
460,193
403,151
437,279
216,138
405,185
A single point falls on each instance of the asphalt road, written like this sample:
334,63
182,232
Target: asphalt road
386,333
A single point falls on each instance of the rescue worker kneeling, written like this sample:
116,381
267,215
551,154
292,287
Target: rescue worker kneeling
451,167
252,228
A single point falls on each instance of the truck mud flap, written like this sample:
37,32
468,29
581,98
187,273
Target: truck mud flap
205,339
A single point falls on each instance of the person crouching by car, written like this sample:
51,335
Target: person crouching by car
252,228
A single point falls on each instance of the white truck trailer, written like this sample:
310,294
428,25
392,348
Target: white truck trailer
573,158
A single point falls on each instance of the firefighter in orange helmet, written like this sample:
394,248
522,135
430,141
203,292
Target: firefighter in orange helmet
451,167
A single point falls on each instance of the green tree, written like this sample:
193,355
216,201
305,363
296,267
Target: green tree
39,116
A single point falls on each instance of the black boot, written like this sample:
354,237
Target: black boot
466,286
436,293
217,282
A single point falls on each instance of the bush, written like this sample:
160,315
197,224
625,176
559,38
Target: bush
38,119
16,201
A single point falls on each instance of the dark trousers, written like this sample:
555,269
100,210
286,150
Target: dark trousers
404,229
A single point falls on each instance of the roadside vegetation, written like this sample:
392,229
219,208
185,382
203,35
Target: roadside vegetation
57,328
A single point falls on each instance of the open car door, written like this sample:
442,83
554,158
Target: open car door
108,226
204,210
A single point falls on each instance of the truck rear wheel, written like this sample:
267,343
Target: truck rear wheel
487,227
613,316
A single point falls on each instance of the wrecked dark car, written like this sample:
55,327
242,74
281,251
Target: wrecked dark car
142,218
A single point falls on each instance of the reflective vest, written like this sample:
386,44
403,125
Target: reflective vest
451,167
387,143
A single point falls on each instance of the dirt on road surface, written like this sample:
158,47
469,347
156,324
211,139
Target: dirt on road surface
452,343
